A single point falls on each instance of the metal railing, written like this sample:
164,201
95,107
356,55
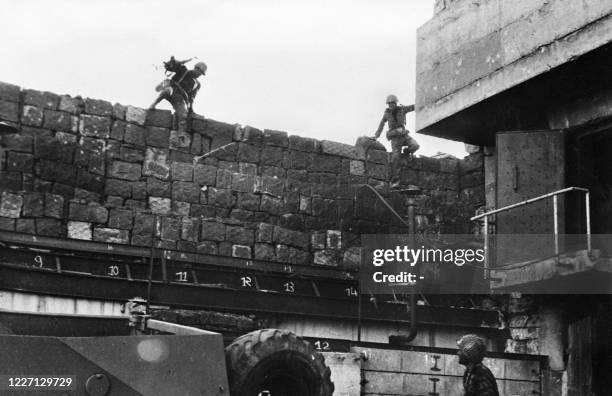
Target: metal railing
554,195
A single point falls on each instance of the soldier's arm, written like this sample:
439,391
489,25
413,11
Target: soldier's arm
192,95
408,109
196,88
381,125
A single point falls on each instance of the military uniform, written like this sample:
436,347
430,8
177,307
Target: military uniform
397,133
398,136
477,379
184,90
180,90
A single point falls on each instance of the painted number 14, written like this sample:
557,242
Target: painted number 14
351,291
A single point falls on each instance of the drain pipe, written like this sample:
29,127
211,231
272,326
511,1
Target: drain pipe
410,193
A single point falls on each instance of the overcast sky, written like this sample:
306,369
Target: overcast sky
314,68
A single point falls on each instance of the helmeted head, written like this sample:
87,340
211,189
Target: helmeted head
472,349
201,67
391,101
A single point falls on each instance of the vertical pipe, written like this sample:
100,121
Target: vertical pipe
587,197
164,266
556,224
150,277
359,315
412,230
411,220
486,247
152,254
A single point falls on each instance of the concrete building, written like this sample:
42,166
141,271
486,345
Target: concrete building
528,81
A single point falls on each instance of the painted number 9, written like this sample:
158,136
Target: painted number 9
39,261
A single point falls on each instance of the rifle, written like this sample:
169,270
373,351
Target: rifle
176,66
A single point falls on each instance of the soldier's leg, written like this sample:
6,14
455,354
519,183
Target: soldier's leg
180,113
396,158
411,145
156,102
162,95
165,92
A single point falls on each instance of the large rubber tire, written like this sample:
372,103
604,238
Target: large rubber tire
278,362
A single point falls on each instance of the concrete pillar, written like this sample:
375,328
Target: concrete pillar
490,170
552,336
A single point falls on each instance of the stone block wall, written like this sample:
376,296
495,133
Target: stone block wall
92,170
452,190
524,325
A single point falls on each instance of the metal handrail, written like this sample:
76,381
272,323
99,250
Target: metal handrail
554,195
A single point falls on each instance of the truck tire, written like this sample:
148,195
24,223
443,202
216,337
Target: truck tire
278,362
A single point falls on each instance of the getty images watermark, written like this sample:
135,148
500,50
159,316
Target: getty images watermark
400,263
410,257
459,264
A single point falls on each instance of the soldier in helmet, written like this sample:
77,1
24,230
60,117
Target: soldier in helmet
477,379
401,142
181,89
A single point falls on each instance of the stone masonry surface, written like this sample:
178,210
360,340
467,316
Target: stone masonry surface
92,170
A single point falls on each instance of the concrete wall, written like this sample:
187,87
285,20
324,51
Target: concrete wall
594,106
35,303
345,372
442,5
473,50
91,170
396,372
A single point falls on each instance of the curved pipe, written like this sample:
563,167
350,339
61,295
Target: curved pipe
412,333
414,329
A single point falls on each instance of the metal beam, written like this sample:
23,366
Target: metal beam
70,246
173,328
188,296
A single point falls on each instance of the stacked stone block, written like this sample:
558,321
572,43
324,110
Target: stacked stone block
524,325
92,170
452,191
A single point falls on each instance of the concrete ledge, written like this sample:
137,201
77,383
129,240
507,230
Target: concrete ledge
516,68
578,272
